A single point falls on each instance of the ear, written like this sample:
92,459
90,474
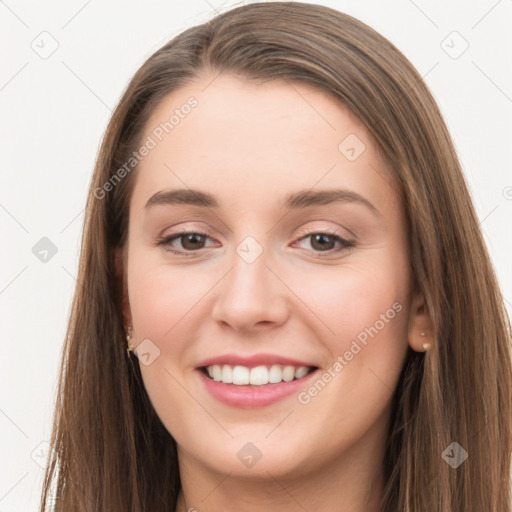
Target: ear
421,329
121,277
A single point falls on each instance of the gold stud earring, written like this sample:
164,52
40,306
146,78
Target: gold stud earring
426,346
129,338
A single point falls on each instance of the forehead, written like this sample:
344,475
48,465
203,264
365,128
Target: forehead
238,139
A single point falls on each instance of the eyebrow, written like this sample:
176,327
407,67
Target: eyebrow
293,201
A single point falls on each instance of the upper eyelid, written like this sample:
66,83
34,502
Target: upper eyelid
302,234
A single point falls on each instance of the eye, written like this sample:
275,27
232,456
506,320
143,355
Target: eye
324,242
191,241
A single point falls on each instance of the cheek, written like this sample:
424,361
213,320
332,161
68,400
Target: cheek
162,300
350,300
163,303
365,307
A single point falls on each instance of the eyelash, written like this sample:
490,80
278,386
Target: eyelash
166,240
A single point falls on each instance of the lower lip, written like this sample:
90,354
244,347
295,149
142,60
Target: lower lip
252,397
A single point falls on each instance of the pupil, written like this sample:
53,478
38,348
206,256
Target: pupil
193,238
321,237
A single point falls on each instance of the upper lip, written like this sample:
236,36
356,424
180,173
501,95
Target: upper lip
252,361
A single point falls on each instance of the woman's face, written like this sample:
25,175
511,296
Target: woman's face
296,261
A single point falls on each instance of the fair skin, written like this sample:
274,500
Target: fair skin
303,297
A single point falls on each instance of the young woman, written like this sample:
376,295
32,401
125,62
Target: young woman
284,300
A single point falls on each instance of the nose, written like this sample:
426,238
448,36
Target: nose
251,296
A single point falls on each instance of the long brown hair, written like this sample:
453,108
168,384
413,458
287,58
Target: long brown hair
111,452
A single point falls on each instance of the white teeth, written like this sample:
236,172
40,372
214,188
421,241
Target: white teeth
275,375
257,376
217,372
301,371
240,375
288,373
227,374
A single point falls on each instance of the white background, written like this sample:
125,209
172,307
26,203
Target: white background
54,111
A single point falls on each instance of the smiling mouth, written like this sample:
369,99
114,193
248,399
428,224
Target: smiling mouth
262,375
